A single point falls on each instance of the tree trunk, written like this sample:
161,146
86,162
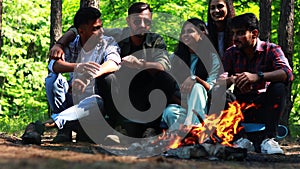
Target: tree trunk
265,14
0,26
92,3
286,41
55,26
56,21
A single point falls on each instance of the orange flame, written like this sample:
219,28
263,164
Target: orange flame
221,129
229,122
176,143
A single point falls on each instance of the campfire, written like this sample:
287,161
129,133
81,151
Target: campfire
221,129
212,138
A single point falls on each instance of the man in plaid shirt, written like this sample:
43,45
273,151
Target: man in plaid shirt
260,72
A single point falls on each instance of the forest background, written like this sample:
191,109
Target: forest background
25,38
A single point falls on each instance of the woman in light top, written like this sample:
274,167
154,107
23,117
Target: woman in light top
195,66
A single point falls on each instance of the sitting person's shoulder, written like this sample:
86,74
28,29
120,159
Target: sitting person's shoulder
109,39
112,31
117,33
271,45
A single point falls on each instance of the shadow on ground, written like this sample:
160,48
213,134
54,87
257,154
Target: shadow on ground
14,155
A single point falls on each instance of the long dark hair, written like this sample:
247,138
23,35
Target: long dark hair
183,55
182,51
212,28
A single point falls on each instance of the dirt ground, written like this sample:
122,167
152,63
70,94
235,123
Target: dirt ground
14,155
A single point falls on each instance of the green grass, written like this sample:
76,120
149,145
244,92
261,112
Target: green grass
17,125
294,131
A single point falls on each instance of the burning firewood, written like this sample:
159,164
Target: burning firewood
208,151
187,152
213,137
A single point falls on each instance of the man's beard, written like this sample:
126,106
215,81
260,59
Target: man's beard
140,35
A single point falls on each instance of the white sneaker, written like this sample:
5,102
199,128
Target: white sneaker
270,146
244,143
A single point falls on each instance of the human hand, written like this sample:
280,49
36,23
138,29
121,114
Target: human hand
56,52
187,85
245,80
88,69
79,85
224,79
133,62
83,74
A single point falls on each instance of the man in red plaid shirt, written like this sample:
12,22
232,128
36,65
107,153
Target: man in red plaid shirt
260,72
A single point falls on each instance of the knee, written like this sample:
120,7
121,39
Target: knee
198,87
105,83
50,79
106,79
110,77
172,111
58,83
199,90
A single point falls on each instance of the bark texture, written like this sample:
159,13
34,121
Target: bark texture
56,21
286,41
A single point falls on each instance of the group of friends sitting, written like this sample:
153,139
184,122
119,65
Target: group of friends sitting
114,74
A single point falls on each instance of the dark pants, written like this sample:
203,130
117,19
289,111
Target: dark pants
134,97
269,107
144,83
105,88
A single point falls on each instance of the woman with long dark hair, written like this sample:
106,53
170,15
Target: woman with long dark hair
219,15
195,66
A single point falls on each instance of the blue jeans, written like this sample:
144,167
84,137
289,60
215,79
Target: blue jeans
57,92
61,101
88,107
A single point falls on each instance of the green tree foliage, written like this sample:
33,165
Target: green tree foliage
22,92
69,8
25,35
26,27
295,113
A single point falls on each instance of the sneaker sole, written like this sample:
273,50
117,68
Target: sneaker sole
275,153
